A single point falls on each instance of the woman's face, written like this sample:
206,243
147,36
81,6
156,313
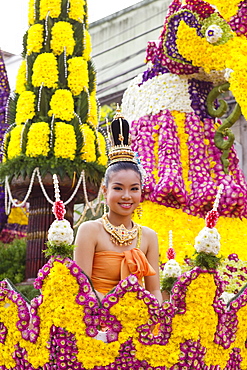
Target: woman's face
123,193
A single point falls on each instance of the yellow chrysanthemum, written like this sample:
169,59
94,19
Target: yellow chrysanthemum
227,9
62,38
77,10
21,78
78,75
25,107
62,105
31,12
87,45
18,215
93,110
9,317
102,149
35,38
88,149
232,230
38,139
51,7
45,71
14,147
65,141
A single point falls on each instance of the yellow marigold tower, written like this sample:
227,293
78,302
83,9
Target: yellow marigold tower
53,115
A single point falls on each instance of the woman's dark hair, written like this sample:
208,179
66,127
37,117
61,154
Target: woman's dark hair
119,166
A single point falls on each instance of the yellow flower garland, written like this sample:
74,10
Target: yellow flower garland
102,149
78,75
156,154
45,71
62,105
21,78
31,12
88,149
62,38
183,138
14,147
232,230
38,139
25,107
9,317
35,38
76,10
93,110
87,45
51,7
65,141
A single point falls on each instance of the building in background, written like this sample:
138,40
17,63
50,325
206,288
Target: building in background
119,45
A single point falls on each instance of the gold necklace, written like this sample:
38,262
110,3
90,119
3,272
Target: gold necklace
119,234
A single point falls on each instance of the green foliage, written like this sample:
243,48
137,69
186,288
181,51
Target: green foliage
12,108
63,250
82,106
28,291
167,283
78,35
24,42
12,257
91,76
61,69
208,261
107,111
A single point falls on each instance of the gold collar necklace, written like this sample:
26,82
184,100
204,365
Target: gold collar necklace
119,234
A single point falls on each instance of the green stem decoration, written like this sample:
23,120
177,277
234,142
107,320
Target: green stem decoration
212,96
224,137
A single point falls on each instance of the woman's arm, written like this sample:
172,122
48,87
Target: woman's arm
86,242
152,283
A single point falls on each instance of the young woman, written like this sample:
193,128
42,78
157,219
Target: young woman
112,247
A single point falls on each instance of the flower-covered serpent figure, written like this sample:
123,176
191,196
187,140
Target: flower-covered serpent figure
188,153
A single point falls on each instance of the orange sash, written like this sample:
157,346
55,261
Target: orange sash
111,267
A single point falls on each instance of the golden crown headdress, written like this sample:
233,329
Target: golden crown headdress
120,141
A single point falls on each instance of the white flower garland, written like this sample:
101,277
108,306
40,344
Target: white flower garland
10,200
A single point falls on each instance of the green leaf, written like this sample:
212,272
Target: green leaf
82,106
61,69
91,76
78,36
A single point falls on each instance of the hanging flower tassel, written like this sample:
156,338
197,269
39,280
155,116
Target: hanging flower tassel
170,251
60,233
207,242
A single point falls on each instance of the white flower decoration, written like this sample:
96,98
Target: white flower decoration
213,33
60,231
208,241
172,269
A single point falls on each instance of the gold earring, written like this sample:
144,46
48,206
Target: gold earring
139,211
105,210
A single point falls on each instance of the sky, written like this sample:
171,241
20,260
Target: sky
13,19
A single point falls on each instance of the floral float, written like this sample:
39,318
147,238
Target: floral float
53,118
186,151
59,330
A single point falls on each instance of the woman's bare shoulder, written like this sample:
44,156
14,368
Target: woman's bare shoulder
146,231
90,226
